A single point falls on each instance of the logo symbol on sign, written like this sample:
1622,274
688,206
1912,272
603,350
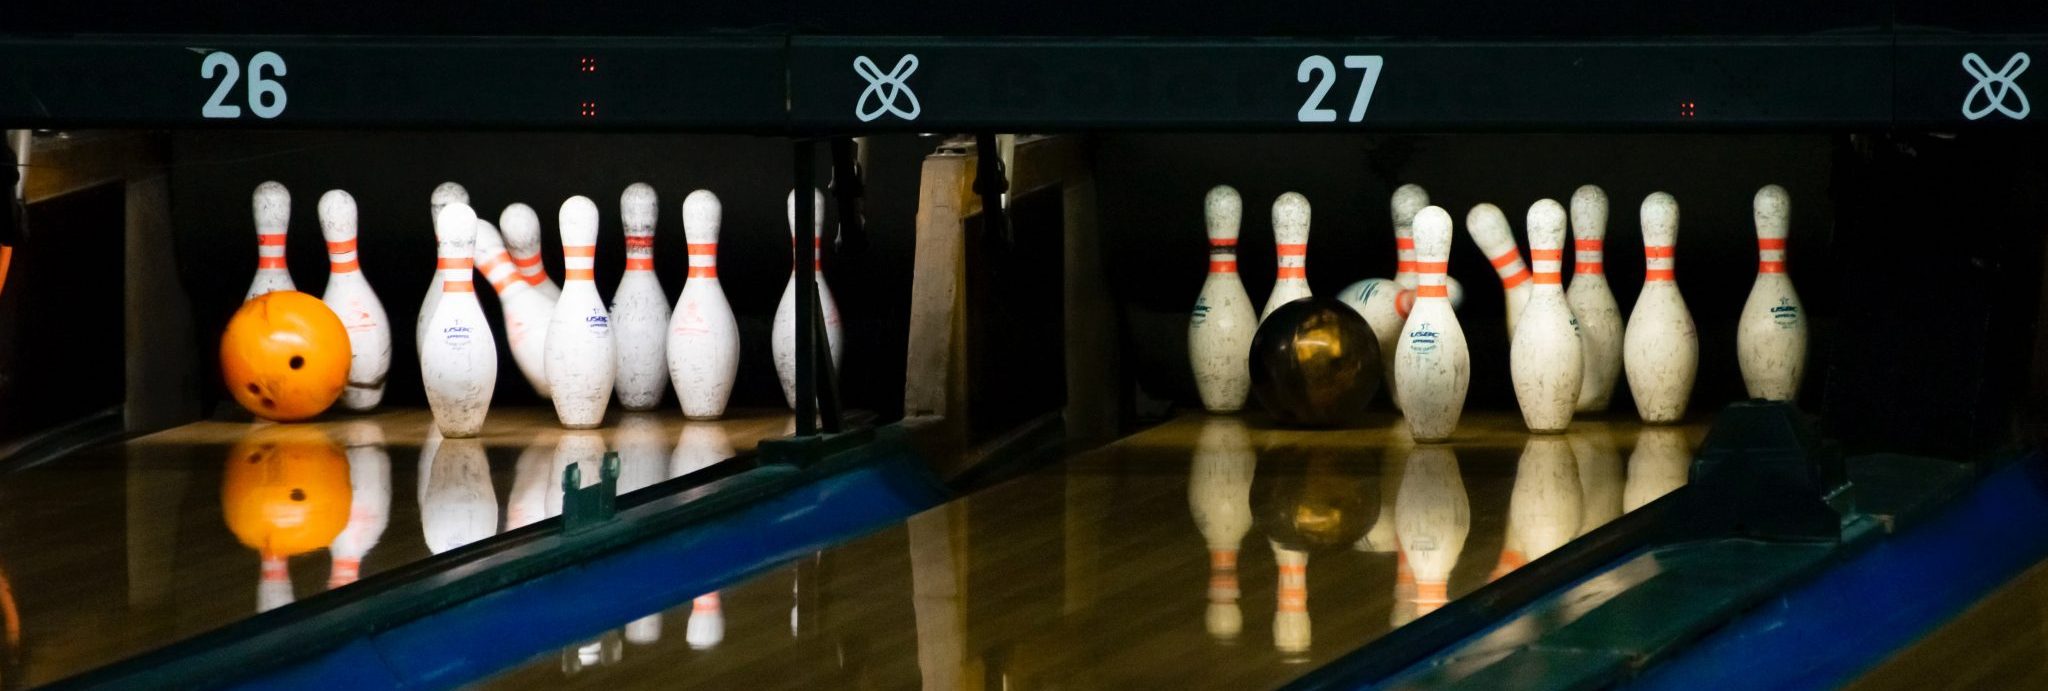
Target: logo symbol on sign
885,89
1995,87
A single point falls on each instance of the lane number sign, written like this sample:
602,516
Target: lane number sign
266,95
1321,70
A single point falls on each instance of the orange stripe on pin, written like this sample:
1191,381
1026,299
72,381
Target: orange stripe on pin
639,264
270,240
1432,267
1657,251
1660,275
580,274
1551,255
457,263
1770,243
1586,268
1586,245
703,272
1293,272
340,247
580,251
270,262
344,267
526,262
1432,291
1216,267
1291,250
1770,267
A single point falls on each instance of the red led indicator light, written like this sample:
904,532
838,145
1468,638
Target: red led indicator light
588,109
588,66
1687,109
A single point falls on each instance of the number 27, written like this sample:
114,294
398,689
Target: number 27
1312,110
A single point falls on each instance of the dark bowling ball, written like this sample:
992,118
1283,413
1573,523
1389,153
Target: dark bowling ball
1315,500
1315,363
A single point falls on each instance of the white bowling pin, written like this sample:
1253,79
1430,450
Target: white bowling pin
1545,359
1432,517
1290,243
526,311
579,342
1432,368
459,506
1544,509
369,479
703,337
1770,341
1659,464
272,205
522,240
581,448
1220,496
1220,332
1661,348
639,308
459,358
1600,474
1490,231
350,296
1407,201
782,336
444,194
1592,302
1292,634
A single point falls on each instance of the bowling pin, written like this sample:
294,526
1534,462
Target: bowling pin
522,240
369,479
579,341
1220,497
459,506
706,627
1592,302
1545,360
1385,307
1544,507
1407,201
1220,332
444,194
1600,474
639,308
783,335
1490,231
350,296
1290,243
526,311
459,358
1432,369
1432,517
703,338
272,205
1770,341
1659,464
1660,349
1292,634
700,445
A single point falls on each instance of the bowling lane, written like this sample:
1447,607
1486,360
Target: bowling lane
127,547
1198,553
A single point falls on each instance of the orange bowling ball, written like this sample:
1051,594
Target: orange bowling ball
285,356
286,490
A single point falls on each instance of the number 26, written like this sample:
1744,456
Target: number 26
266,95
1312,110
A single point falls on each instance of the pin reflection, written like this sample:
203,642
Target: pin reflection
1432,517
458,506
1544,509
369,475
285,492
1220,495
531,483
1659,464
1600,474
700,445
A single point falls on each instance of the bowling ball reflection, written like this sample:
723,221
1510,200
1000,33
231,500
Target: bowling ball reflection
285,356
1319,502
1315,363
286,490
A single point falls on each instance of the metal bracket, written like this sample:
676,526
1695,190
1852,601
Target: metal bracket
584,508
1764,471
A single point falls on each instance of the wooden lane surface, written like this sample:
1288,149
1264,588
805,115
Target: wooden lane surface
1093,573
124,548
